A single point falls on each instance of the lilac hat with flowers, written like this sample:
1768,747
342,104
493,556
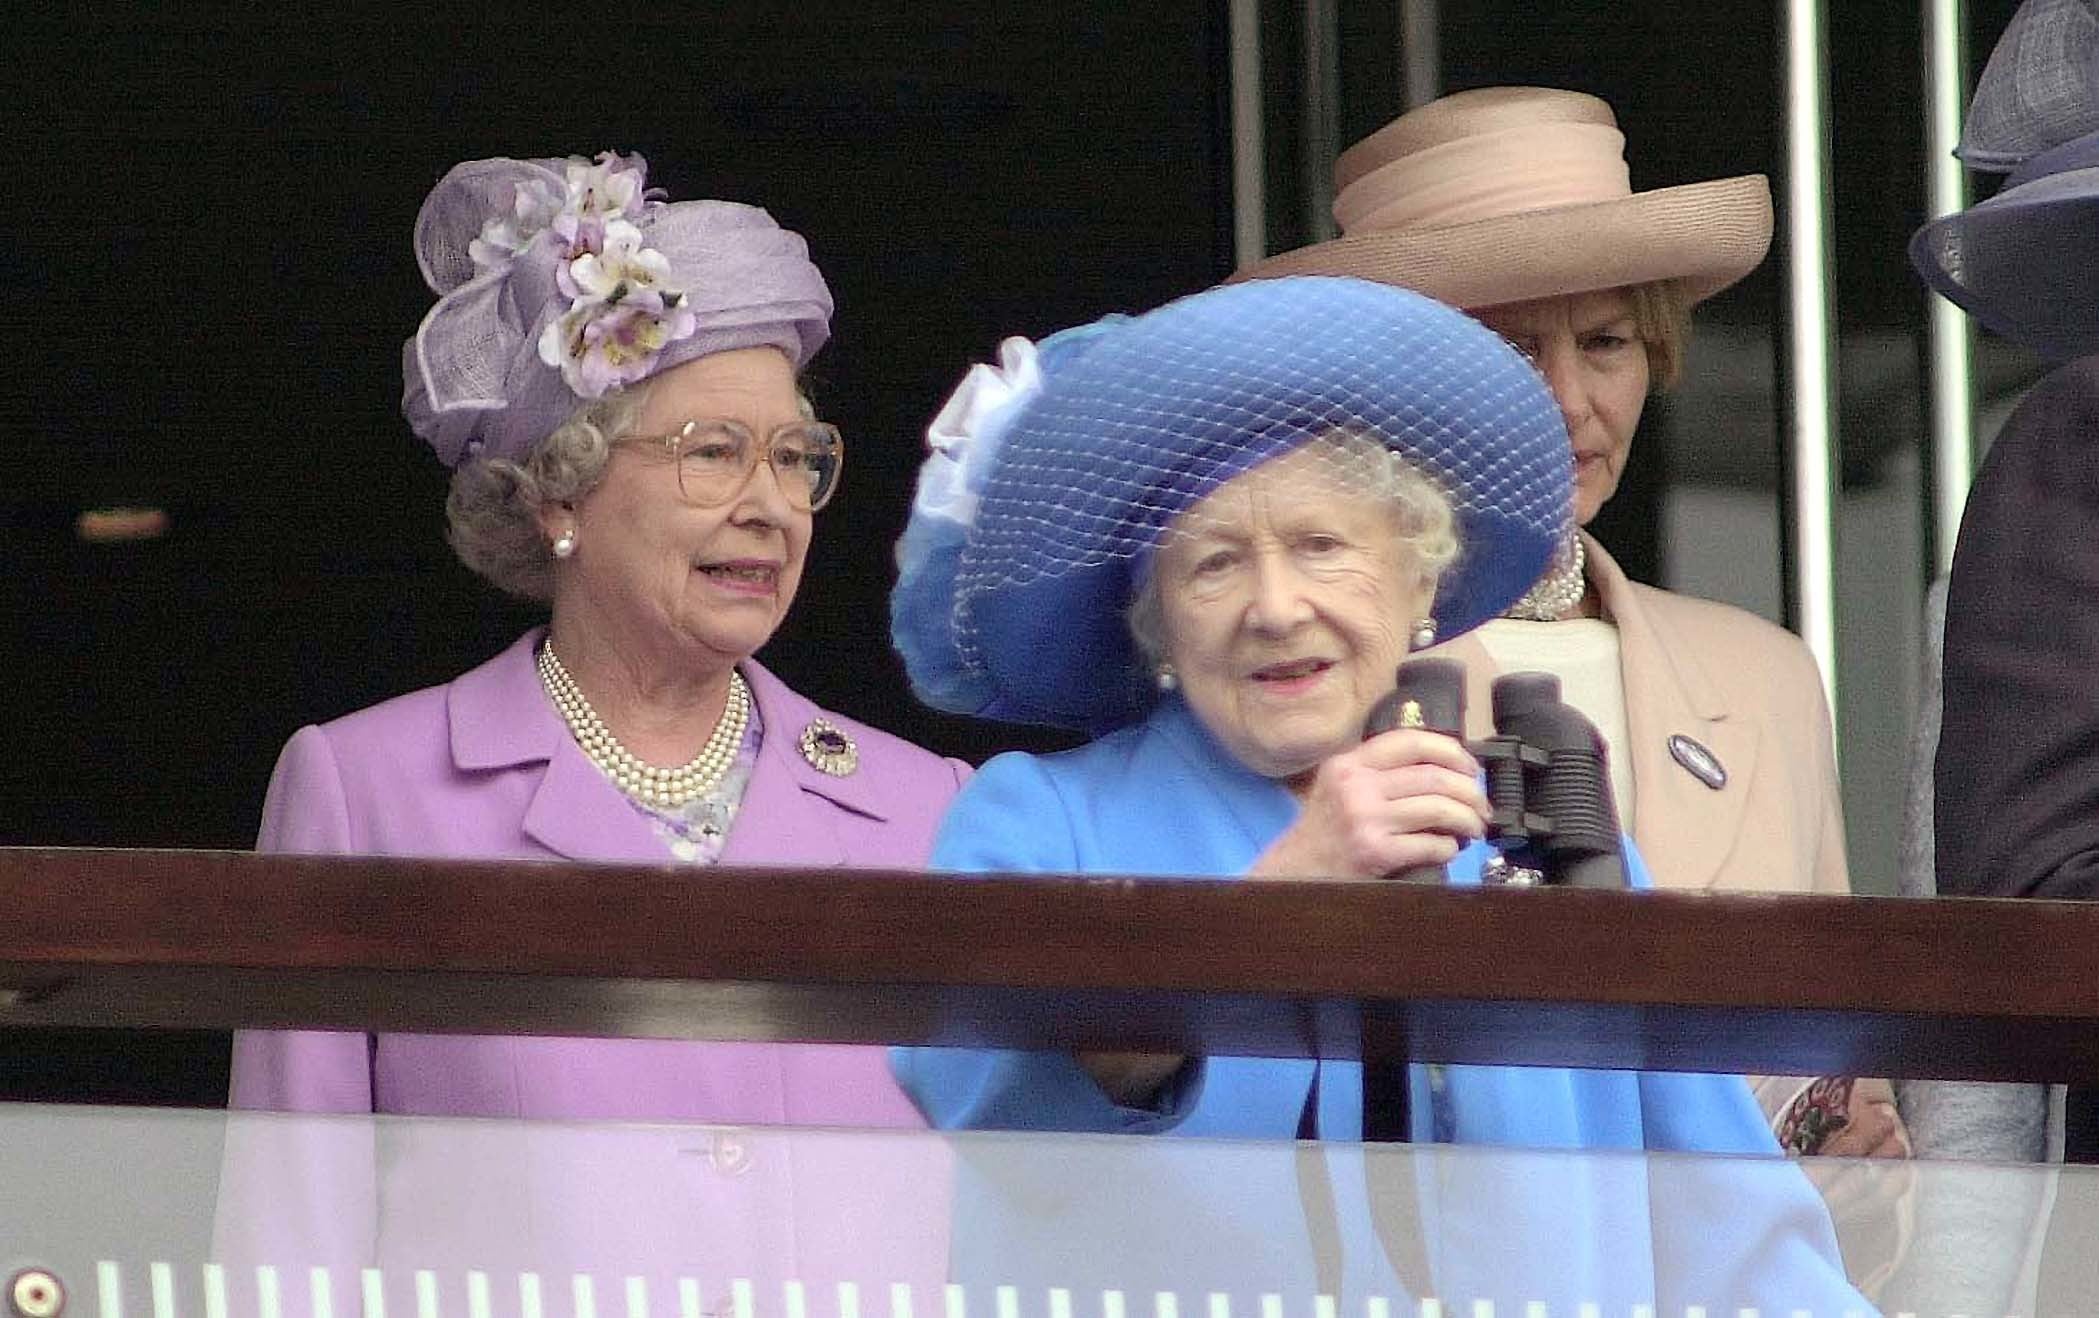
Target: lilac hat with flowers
563,280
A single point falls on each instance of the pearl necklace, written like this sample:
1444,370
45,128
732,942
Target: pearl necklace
1560,589
645,782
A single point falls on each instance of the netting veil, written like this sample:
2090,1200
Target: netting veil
1013,587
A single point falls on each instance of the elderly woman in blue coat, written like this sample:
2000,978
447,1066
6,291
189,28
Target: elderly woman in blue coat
1209,534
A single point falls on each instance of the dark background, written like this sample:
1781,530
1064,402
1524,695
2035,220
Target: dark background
209,228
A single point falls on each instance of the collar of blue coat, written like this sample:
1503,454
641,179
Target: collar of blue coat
1259,806
500,718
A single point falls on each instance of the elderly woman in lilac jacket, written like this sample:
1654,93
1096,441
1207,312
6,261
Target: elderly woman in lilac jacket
613,380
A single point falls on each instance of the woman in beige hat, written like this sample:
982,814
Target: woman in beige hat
1515,203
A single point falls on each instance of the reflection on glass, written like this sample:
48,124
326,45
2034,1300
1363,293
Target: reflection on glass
167,1213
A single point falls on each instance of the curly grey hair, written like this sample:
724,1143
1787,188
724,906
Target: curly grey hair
492,512
1360,465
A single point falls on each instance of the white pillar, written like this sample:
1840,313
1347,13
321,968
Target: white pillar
1951,341
1811,449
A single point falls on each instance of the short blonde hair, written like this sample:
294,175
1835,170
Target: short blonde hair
1423,522
1662,318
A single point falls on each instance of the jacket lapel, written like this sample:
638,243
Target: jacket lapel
1685,829
790,810
578,813
501,719
1254,809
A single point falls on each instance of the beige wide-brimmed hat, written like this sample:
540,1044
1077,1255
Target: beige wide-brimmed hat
1506,194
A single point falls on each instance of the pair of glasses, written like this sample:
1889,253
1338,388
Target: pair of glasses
715,459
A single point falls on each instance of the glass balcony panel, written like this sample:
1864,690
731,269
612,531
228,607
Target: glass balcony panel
124,1213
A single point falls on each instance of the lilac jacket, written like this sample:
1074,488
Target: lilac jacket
484,767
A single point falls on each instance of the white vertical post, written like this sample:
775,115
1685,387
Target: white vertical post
1951,340
1249,147
1421,50
109,1289
1811,338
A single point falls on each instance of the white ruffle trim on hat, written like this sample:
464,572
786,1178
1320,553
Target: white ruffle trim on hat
965,435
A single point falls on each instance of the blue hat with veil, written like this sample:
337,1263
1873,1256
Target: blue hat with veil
1053,477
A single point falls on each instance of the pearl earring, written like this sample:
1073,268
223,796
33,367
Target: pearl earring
564,544
1424,633
1168,680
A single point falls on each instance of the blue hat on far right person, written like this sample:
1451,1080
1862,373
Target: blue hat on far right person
2026,261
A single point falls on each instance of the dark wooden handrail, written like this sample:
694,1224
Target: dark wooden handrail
1983,989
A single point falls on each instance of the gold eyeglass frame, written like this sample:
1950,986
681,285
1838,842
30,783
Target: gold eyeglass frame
758,452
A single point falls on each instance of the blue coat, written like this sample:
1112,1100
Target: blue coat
1162,798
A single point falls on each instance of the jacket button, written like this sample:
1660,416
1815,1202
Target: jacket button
730,1155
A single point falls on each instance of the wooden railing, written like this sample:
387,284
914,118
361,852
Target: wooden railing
1798,984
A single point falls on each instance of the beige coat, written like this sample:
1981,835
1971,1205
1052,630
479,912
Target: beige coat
1749,693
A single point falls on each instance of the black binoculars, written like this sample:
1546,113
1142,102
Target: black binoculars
1548,776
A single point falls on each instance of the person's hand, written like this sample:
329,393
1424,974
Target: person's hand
1132,1079
1401,799
1840,1117
1871,1204
1873,1128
